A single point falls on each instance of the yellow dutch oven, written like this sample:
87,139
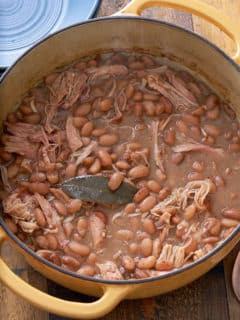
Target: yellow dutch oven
125,31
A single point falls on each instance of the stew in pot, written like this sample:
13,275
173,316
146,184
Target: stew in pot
130,117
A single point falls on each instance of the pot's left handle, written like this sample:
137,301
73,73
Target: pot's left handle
196,7
112,295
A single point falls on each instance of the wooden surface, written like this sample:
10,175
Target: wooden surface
208,298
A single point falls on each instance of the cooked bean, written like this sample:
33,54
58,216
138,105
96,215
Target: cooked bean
136,65
123,165
125,234
211,101
148,203
133,146
53,177
149,225
210,240
159,109
149,108
38,187
71,170
52,241
141,194
42,242
106,104
60,207
194,176
92,258
133,247
33,118
182,126
213,113
138,110
139,171
190,119
74,205
234,147
99,132
150,97
146,263
83,110
38,177
68,228
146,247
177,157
212,130
200,111
189,212
108,139
71,262
115,181
129,92
82,225
228,223
169,136
11,225
95,167
79,248
40,218
130,208
87,162
164,193
190,245
86,270
219,181
105,158
231,213
87,129
128,263
160,175
79,122
137,96
154,186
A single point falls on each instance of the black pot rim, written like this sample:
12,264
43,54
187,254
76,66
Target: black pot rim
130,281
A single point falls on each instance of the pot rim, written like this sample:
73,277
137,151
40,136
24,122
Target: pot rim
129,281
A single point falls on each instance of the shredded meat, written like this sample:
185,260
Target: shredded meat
111,70
170,257
97,230
73,135
83,153
4,176
157,151
109,270
197,146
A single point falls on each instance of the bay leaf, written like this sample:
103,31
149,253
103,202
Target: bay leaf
95,189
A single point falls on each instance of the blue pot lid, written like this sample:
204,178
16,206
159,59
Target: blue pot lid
24,22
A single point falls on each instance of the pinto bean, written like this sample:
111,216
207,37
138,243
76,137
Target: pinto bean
125,234
115,181
128,263
136,65
71,170
42,242
229,223
138,110
169,136
133,247
11,225
139,171
149,226
130,208
87,129
177,157
189,212
95,167
40,218
182,126
150,97
60,207
99,132
68,228
106,104
38,187
105,158
87,162
219,181
212,130
197,166
53,177
154,186
79,248
211,101
141,194
38,177
159,109
79,122
190,245
108,139
210,240
234,147
123,165
86,270
164,193
137,96
33,118
12,170
213,113
83,110
129,92
74,205
146,263
194,176
149,108
52,241
71,262
146,247
191,119
231,213
82,225
92,258
148,203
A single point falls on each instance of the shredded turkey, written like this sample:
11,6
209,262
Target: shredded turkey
170,257
73,135
109,270
157,151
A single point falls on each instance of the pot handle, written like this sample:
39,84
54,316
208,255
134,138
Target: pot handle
196,7
112,295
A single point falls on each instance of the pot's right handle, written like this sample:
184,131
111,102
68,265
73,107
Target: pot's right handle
112,295
196,7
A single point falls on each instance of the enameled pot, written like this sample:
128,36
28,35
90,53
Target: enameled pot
121,32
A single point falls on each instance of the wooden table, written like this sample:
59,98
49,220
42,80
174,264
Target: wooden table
210,297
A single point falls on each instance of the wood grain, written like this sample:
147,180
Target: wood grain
207,298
